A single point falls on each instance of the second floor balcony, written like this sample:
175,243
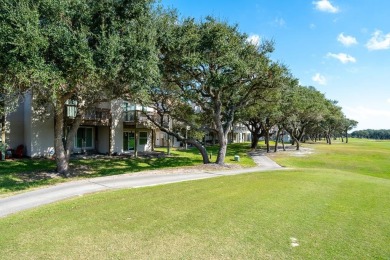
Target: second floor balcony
137,119
93,116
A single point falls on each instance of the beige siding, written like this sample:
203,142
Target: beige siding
102,145
38,130
14,127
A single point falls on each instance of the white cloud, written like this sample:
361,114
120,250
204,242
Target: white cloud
346,40
320,79
254,39
279,22
342,57
369,117
379,41
388,100
326,6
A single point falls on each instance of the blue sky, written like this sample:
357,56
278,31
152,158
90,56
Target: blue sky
341,47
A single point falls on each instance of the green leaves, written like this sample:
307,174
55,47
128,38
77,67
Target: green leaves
85,50
75,45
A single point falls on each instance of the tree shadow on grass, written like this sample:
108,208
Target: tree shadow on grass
10,184
22,174
25,165
106,167
18,175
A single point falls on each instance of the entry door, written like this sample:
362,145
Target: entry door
128,141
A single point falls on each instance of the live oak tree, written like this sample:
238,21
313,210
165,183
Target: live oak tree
333,118
173,113
84,50
215,68
176,117
301,110
259,120
265,113
348,125
328,123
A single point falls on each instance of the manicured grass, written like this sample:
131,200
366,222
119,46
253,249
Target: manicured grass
330,213
20,175
240,149
359,156
15,174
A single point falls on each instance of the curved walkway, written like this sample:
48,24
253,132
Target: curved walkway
31,199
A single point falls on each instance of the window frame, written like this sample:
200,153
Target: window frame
92,143
143,140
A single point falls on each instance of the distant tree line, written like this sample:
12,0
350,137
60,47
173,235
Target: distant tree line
381,134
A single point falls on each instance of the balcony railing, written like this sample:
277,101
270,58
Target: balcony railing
91,114
100,114
130,118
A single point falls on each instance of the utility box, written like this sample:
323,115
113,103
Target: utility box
237,158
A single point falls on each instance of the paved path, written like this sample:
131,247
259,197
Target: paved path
263,161
31,199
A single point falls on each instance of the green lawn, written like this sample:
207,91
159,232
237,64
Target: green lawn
366,157
21,175
331,207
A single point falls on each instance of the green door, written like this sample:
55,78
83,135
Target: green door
128,141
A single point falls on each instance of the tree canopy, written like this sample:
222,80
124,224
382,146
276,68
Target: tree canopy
212,68
87,51
202,76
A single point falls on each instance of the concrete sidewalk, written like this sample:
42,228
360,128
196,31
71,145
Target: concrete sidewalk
31,199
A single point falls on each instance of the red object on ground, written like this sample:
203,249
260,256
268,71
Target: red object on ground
19,151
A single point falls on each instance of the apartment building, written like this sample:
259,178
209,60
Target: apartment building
114,127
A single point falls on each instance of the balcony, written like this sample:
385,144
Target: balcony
139,120
93,116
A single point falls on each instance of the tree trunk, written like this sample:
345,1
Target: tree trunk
222,140
180,138
255,141
328,138
267,139
62,160
64,145
276,140
298,144
284,149
201,149
295,139
222,130
2,130
346,136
